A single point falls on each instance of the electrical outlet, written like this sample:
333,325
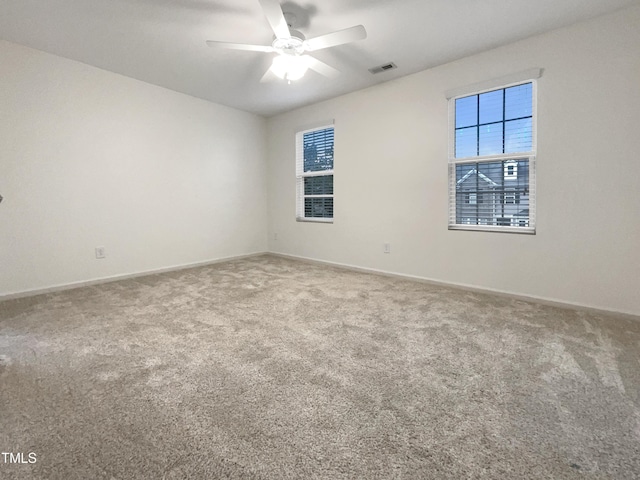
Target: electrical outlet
386,247
275,236
100,253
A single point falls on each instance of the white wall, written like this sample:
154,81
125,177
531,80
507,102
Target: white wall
90,158
391,174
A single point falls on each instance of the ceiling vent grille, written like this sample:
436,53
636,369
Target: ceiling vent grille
383,68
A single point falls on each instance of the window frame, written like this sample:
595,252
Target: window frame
530,156
301,175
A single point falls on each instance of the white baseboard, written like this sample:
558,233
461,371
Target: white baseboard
470,288
114,278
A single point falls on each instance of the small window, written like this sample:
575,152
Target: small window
510,170
314,174
491,159
510,197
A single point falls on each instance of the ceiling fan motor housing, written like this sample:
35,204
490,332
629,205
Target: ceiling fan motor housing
290,46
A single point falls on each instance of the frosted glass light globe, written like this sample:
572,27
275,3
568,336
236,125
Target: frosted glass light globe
289,67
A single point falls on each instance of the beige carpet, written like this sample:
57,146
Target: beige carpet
269,368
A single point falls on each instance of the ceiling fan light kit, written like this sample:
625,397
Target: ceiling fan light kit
291,63
289,67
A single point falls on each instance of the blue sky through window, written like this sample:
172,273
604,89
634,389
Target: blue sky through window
495,122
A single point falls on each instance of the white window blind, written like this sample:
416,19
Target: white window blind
314,174
492,147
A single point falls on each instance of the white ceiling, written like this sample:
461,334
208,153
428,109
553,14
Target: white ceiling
163,41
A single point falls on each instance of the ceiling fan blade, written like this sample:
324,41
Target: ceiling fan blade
241,46
275,17
321,67
336,38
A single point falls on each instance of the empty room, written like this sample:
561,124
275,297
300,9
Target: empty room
319,240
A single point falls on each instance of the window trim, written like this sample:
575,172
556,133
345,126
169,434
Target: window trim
301,175
529,76
495,84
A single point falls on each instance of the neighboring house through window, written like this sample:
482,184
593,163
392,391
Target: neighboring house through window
492,157
314,174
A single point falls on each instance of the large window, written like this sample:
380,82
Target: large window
314,174
492,159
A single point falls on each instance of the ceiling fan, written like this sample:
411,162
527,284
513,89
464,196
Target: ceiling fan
291,62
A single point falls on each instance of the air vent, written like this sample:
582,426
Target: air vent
383,68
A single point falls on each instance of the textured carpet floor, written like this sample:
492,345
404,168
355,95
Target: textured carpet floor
269,368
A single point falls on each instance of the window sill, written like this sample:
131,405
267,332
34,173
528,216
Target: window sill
314,220
495,229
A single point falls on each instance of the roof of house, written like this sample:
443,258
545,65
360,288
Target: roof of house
480,175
